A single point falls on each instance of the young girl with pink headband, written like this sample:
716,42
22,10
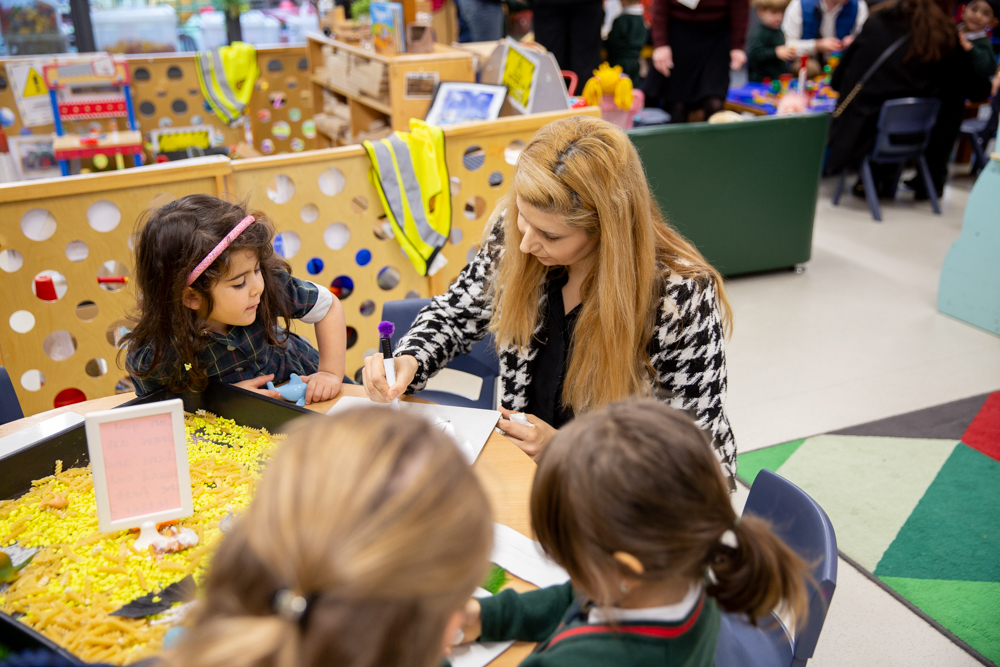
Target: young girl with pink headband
211,291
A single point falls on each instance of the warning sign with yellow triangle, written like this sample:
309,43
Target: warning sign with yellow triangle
34,84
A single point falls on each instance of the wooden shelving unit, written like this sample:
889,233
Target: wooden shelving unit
409,93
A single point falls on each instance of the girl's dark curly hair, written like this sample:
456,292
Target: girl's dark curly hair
174,239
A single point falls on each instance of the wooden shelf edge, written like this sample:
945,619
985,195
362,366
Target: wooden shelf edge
381,107
305,157
441,51
507,124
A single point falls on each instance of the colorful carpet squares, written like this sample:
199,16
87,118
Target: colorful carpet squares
915,501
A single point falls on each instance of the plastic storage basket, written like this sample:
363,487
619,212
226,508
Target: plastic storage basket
135,29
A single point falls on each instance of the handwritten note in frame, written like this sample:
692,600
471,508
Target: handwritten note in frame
139,460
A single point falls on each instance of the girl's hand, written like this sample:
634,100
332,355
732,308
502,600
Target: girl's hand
737,59
663,59
373,376
472,628
964,41
322,386
255,384
532,439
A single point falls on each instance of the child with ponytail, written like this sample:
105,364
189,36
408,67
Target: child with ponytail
631,501
367,534
211,291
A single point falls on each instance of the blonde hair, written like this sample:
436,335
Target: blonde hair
587,171
375,518
772,5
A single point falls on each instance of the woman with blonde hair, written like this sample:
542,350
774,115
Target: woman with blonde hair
591,295
364,540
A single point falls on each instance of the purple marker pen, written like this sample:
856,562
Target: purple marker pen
385,330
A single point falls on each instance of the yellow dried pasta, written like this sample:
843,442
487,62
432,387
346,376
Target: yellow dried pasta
81,575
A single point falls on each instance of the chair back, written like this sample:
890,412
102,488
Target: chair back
991,125
803,525
10,407
904,128
481,360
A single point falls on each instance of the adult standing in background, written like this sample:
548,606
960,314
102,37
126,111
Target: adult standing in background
484,19
696,43
817,28
571,31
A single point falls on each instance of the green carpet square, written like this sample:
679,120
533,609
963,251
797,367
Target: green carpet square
768,458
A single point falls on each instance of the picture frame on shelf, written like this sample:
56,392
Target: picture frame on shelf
458,102
34,156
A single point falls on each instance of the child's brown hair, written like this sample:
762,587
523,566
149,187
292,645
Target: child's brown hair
173,241
770,5
375,519
641,478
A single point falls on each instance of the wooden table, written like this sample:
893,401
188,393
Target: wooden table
503,469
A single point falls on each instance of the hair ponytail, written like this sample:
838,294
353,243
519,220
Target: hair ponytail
759,574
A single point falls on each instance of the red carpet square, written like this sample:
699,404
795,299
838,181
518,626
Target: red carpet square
984,431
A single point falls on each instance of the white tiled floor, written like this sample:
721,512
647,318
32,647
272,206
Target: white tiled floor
857,337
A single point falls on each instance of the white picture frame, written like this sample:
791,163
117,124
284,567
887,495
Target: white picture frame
34,156
459,102
160,457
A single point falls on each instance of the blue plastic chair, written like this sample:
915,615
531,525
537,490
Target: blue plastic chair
10,407
481,361
979,132
803,525
904,130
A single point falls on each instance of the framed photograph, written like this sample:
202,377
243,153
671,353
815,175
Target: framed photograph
139,460
34,156
456,102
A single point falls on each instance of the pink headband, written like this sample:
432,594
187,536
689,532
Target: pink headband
217,250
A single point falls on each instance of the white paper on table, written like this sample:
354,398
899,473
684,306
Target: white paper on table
477,654
469,427
523,557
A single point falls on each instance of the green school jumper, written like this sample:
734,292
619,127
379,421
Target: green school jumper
553,617
984,62
624,43
762,62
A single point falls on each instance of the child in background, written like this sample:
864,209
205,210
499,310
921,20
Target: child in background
978,16
767,54
211,290
627,37
367,534
632,502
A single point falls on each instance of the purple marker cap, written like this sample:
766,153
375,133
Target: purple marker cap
385,329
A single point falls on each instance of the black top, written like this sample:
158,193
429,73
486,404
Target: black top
548,369
762,61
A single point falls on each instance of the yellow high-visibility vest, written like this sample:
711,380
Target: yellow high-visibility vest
410,174
227,76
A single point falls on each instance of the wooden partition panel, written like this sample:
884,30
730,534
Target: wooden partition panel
79,228
281,108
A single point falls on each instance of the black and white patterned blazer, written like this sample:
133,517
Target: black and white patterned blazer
687,349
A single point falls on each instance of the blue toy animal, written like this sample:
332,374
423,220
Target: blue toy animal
293,392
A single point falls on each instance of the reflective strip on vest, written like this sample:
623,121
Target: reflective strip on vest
411,187
222,82
215,86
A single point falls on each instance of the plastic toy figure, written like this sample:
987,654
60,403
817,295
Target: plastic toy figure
293,392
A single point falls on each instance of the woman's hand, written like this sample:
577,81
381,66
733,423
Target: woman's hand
255,384
373,376
322,386
472,628
532,439
663,59
737,59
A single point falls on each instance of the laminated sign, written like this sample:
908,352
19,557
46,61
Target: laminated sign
518,73
30,93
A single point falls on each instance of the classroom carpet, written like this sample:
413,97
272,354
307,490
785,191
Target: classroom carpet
915,503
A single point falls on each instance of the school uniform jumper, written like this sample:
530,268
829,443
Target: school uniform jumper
984,61
687,349
625,41
700,39
243,353
571,633
762,61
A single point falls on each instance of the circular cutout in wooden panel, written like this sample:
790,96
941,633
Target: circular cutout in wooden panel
11,260
314,266
33,380
87,311
22,321
96,367
103,215
475,207
455,185
115,331
342,286
113,269
352,337
359,205
456,236
179,106
513,151
280,189
474,158
388,278
69,397
147,108
38,224
337,236
496,179
59,345
287,244
332,182
49,285
412,294
367,308
309,213
140,74
382,229
363,257
175,72
77,251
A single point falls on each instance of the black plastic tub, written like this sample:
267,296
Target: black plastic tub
21,468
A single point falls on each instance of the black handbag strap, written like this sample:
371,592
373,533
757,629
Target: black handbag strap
892,48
